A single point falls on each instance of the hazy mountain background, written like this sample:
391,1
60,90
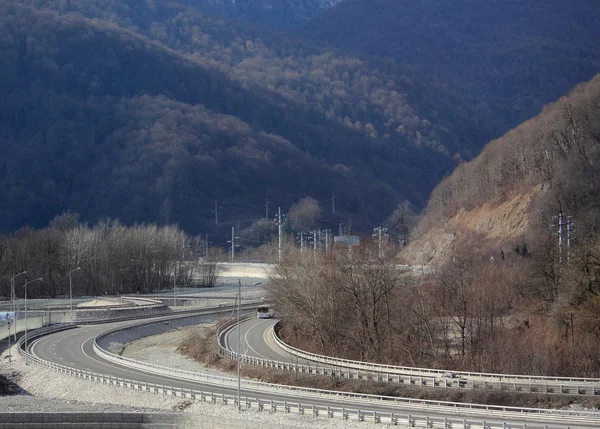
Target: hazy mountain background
148,111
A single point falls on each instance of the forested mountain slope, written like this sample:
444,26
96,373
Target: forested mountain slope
505,58
513,246
150,112
280,14
513,192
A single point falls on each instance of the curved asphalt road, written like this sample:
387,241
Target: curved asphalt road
256,339
75,348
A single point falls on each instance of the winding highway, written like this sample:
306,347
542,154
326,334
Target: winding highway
75,348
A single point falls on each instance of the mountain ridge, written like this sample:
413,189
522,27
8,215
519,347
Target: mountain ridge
111,131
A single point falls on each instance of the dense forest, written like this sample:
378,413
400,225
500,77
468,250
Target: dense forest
531,308
160,112
506,59
280,14
152,112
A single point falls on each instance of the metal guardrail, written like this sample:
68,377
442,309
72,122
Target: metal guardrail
368,374
314,370
427,377
349,411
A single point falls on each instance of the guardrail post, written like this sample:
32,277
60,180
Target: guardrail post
375,417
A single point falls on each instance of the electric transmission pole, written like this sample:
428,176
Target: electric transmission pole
232,243
279,225
333,201
570,230
380,233
206,247
267,207
560,236
216,210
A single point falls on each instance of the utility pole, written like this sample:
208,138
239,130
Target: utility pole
8,320
39,279
174,286
71,291
333,201
232,243
279,225
560,236
341,230
326,241
301,242
315,241
13,298
206,247
239,349
569,237
380,233
216,210
267,207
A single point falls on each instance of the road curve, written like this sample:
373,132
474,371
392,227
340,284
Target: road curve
74,348
258,339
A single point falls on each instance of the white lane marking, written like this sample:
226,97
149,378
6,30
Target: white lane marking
33,346
248,344
268,337
88,356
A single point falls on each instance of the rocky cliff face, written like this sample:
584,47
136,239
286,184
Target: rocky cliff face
493,227
509,195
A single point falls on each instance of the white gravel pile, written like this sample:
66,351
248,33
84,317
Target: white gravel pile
46,391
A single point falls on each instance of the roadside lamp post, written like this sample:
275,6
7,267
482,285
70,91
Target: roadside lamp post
12,298
239,351
256,284
25,286
8,320
71,291
174,286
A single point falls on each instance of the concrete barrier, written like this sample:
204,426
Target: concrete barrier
93,420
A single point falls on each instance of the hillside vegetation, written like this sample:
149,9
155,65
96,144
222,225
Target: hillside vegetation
149,112
502,296
490,236
520,181
507,59
280,14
